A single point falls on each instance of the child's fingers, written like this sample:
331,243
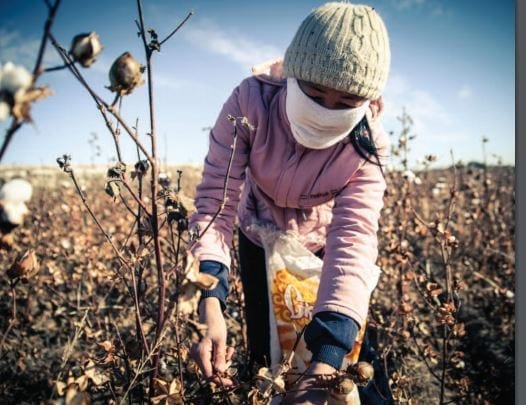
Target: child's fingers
202,354
229,353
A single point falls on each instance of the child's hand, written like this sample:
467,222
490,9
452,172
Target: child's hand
212,354
305,391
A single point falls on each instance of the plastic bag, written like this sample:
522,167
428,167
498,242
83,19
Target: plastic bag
293,276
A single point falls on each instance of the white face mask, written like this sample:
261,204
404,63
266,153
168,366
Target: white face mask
315,126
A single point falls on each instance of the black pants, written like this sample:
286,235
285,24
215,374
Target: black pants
254,279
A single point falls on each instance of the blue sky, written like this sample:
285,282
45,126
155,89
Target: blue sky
452,69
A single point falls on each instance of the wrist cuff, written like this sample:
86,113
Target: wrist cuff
220,271
329,354
216,294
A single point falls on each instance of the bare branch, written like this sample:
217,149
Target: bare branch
37,70
191,13
225,184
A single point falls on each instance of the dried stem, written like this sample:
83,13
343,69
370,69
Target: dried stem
13,319
191,13
138,319
177,289
225,184
423,356
125,203
115,133
55,68
153,185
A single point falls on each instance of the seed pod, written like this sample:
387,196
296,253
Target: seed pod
142,167
25,266
364,372
85,48
344,393
125,74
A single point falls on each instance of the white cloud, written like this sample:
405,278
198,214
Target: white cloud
428,114
464,92
16,50
405,4
169,82
437,129
433,7
24,51
244,51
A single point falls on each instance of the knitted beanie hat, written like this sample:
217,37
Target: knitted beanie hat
342,46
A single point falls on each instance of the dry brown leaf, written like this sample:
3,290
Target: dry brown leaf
267,379
170,393
60,387
23,102
77,398
201,280
205,281
82,382
107,346
189,299
95,374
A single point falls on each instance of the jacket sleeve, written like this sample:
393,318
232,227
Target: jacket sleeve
220,271
330,336
349,273
215,244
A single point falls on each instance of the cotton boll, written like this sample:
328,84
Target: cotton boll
15,78
15,191
85,48
409,176
346,393
13,196
125,74
13,213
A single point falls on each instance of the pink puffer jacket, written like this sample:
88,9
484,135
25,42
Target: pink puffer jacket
330,198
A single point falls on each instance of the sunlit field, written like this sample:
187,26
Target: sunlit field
442,315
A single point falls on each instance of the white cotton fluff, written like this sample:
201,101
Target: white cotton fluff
14,78
16,190
13,196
